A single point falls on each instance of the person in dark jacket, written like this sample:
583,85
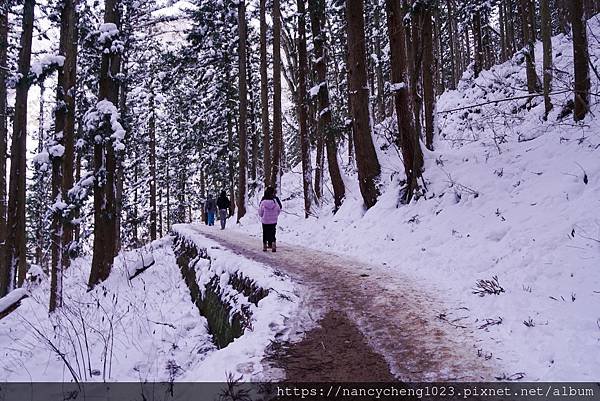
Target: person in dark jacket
210,207
223,205
268,211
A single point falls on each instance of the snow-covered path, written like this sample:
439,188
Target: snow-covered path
398,319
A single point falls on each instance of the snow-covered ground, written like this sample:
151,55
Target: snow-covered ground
508,195
144,329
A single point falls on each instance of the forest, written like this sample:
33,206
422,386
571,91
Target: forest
119,118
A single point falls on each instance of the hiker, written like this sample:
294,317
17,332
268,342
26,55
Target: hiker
223,205
210,207
268,211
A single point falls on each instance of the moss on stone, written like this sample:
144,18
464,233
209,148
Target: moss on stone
223,325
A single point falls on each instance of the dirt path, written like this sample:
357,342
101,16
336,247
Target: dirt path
333,351
370,315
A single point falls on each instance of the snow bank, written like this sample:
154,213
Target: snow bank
145,329
12,298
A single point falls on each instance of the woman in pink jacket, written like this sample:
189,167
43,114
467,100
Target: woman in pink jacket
268,211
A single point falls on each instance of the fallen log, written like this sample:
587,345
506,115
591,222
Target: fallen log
12,301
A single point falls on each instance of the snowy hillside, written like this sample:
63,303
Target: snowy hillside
139,330
509,195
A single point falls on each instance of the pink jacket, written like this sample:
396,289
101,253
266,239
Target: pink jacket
269,211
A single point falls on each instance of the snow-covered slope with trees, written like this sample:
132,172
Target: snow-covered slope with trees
509,195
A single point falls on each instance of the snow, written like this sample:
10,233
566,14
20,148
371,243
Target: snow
144,325
107,32
46,63
59,206
508,195
88,181
314,91
56,150
397,86
152,329
95,116
42,158
11,298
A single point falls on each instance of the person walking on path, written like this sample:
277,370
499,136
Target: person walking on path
268,211
223,205
210,207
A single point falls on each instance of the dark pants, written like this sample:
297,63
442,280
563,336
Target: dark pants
223,217
269,233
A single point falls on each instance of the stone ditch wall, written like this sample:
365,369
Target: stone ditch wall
226,321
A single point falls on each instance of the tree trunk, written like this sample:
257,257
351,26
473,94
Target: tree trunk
77,211
320,159
317,18
105,163
501,22
478,42
439,53
16,257
202,194
428,73
181,179
467,52
547,43
379,64
564,17
527,20
368,166
451,40
135,224
303,112
510,27
488,56
40,191
462,50
152,162
70,70
264,96
589,8
62,164
243,93
415,68
120,156
351,151
160,213
370,62
254,136
277,117
4,267
581,59
168,185
408,139
231,163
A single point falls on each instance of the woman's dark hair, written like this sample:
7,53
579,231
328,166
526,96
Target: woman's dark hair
269,193
223,194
